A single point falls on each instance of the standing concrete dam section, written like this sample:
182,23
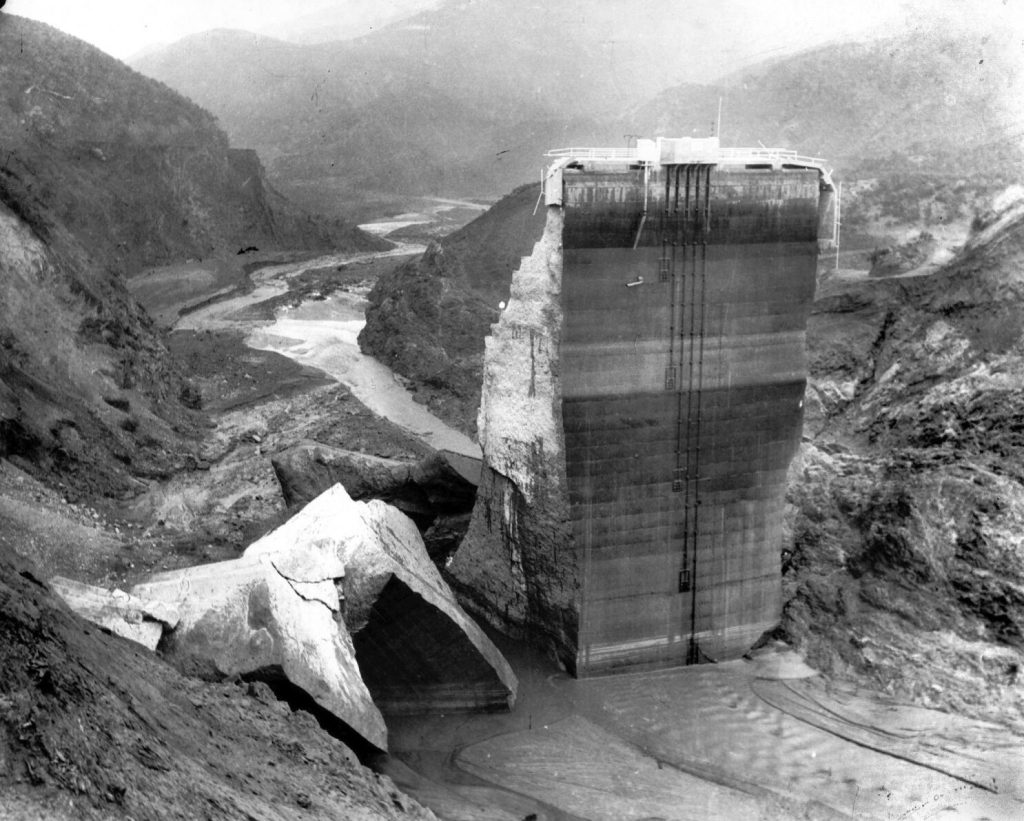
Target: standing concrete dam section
682,375
657,338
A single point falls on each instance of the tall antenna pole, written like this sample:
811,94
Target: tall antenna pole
838,216
718,128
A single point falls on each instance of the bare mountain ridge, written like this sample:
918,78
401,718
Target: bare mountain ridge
105,171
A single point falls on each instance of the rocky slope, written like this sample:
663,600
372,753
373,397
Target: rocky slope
906,569
427,319
103,172
94,727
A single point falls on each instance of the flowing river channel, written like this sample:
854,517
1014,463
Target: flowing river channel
323,334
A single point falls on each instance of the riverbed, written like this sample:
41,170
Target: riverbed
323,334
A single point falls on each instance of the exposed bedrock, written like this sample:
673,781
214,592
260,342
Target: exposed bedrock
517,566
437,492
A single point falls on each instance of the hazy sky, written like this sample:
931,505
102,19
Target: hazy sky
125,27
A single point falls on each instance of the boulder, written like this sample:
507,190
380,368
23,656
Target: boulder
141,621
417,649
438,491
428,487
275,615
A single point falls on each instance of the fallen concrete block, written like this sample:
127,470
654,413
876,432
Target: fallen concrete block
140,620
276,617
417,649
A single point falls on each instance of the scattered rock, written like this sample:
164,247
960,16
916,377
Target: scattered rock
430,486
898,259
438,491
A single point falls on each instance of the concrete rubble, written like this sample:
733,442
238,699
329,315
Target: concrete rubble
140,620
437,491
274,615
417,649
341,605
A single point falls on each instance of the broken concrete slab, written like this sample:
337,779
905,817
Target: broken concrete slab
137,619
417,649
274,616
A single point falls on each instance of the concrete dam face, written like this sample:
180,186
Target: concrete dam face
642,401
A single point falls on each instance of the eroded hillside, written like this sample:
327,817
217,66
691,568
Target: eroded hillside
105,171
906,569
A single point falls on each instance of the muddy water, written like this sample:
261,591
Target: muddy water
432,213
273,281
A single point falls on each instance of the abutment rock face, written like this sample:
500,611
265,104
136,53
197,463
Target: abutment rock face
642,400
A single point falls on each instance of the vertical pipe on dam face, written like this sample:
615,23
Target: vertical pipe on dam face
649,451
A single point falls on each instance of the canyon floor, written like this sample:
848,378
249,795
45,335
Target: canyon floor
277,363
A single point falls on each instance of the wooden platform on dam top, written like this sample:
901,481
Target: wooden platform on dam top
685,292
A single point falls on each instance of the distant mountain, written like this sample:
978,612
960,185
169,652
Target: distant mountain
464,98
104,171
932,92
347,19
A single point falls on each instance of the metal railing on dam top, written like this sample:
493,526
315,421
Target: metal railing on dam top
699,153
677,151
